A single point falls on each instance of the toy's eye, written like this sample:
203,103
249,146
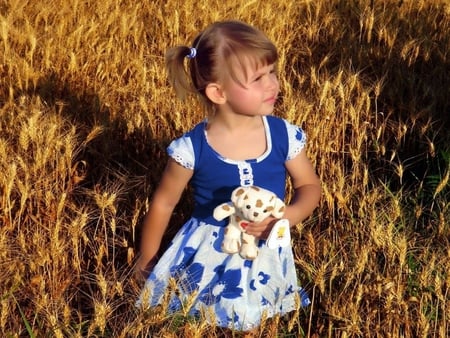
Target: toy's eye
248,206
265,210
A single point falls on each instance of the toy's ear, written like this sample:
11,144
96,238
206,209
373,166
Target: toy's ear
222,211
279,208
236,194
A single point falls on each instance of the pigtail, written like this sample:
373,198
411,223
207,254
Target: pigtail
178,75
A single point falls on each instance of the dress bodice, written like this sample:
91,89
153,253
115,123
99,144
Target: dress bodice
215,177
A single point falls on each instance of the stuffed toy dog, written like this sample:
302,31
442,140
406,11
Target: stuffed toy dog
248,204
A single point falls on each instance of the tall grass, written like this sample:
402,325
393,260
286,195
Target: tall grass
86,114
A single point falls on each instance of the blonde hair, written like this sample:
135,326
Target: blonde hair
219,48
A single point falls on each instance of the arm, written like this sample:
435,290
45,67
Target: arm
307,190
306,196
165,198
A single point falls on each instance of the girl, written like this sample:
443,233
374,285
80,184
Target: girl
232,68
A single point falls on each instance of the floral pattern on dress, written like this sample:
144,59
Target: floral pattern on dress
224,284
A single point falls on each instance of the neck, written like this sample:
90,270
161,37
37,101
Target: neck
234,122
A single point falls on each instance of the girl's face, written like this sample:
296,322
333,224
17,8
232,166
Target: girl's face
255,92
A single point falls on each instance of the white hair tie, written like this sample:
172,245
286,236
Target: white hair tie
192,54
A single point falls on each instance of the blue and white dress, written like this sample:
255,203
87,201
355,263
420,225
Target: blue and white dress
226,289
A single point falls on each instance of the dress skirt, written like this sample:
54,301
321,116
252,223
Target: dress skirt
196,277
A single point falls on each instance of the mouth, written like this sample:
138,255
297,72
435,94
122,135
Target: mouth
271,100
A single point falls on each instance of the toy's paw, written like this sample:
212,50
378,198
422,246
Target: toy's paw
231,246
249,251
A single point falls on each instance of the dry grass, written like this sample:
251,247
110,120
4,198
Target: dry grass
86,114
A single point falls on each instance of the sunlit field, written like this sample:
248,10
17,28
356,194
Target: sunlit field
86,114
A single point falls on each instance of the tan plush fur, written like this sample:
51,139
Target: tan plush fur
248,204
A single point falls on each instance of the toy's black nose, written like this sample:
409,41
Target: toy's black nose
255,214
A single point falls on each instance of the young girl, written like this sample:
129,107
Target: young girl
232,68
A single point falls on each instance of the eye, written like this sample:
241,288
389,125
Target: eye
258,78
248,206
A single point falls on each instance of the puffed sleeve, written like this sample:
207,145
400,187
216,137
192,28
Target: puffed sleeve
297,140
182,151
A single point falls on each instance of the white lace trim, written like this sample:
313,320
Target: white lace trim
182,151
297,140
245,173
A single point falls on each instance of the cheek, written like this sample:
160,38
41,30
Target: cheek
239,94
275,82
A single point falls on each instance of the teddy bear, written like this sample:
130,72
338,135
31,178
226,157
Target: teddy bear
248,204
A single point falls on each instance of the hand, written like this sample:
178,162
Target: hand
143,269
261,229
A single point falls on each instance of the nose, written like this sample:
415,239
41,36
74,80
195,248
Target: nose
272,82
255,214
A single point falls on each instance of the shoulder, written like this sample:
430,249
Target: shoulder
296,137
198,129
274,120
281,122
295,132
182,149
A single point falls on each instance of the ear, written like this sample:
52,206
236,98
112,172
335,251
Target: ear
236,194
215,93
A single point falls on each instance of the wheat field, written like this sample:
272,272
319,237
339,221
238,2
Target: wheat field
86,114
